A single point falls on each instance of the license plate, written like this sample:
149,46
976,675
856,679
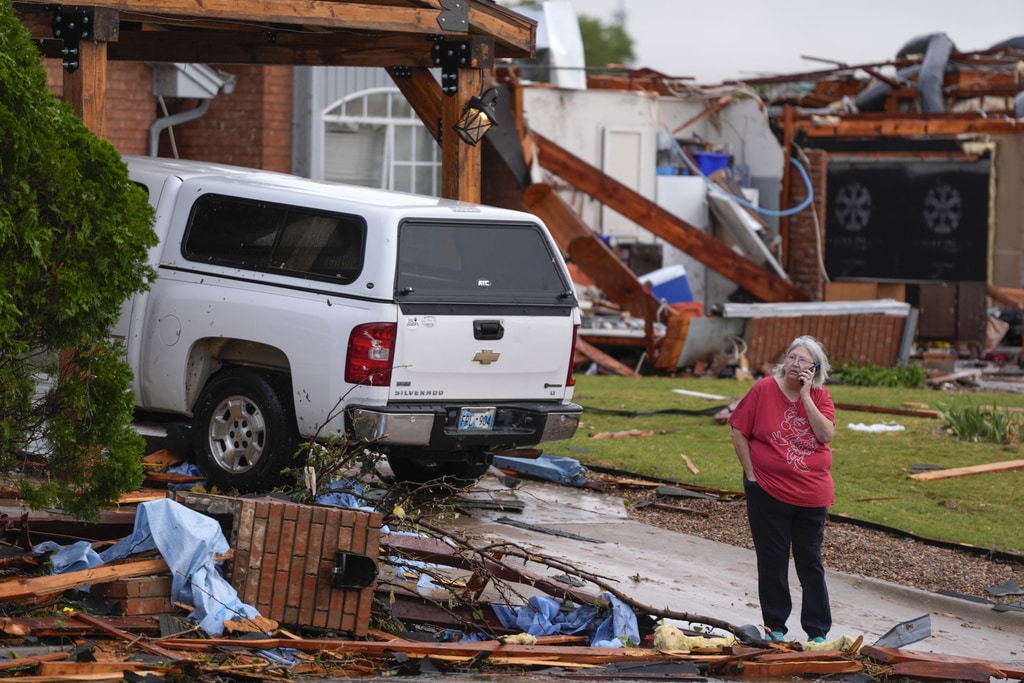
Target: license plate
476,419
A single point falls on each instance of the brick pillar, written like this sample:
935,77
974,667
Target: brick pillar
806,245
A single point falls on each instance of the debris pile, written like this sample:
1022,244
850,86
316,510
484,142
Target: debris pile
211,587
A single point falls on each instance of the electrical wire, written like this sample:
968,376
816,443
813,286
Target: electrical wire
696,170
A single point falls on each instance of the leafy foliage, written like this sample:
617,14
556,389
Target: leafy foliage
979,423
908,376
74,232
605,44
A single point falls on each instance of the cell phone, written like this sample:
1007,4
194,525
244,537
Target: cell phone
814,369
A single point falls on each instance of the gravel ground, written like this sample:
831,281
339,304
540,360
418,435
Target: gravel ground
848,548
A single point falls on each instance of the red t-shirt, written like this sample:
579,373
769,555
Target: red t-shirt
790,464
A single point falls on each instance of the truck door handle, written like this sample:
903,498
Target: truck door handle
488,329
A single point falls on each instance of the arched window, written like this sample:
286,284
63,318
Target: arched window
373,138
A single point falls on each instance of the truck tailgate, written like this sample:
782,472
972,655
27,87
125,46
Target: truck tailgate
481,358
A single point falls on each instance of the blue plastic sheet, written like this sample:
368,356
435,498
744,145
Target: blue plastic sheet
543,616
189,542
561,470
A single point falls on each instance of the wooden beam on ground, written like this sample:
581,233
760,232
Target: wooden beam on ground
23,588
1006,466
907,412
756,280
112,630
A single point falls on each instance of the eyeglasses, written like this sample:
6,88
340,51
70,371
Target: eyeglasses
798,360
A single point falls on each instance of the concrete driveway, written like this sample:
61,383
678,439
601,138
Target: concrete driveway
687,574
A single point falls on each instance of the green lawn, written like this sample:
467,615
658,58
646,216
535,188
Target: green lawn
870,468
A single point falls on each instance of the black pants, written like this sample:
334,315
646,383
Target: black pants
777,528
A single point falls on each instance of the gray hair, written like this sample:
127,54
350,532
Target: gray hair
813,347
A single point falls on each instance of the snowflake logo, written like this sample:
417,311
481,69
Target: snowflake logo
943,209
853,207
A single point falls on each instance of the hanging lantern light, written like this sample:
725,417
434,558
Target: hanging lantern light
477,117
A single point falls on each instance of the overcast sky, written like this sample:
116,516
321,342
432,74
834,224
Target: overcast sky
715,40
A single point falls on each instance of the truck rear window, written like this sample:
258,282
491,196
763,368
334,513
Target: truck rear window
479,262
255,235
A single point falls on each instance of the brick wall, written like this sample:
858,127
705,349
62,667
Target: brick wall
250,127
807,237
285,555
131,107
847,338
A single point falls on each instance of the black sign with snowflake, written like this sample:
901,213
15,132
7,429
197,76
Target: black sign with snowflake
909,221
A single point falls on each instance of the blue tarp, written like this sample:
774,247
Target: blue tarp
543,616
189,542
561,470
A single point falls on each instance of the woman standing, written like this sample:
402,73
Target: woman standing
781,432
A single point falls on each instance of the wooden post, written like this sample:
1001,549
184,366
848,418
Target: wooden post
85,88
460,162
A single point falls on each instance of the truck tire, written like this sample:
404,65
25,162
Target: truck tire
417,468
244,432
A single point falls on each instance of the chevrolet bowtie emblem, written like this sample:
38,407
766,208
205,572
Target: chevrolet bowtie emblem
486,357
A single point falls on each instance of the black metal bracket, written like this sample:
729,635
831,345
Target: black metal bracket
71,27
451,55
401,72
454,16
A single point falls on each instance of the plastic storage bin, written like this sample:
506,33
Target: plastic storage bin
709,162
669,284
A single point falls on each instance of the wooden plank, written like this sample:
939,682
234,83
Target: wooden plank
908,412
74,670
1005,466
752,669
110,629
19,662
892,655
22,588
713,253
588,252
603,359
945,671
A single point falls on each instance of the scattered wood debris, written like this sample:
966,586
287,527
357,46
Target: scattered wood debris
626,433
153,640
1005,466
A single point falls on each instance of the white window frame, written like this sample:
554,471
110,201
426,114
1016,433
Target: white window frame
353,112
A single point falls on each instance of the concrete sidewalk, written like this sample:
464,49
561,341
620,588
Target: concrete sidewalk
668,570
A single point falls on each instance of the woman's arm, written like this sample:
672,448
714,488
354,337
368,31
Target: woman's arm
742,446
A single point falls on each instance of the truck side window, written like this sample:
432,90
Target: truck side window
257,235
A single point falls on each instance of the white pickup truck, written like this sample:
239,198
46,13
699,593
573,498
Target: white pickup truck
287,309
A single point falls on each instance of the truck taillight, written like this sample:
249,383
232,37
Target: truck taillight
570,380
371,351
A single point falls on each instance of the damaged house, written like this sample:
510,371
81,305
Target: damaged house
870,205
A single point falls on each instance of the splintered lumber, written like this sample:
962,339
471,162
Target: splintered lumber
24,588
935,661
74,671
946,671
112,630
55,627
19,662
752,669
1005,466
604,360
625,434
487,648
